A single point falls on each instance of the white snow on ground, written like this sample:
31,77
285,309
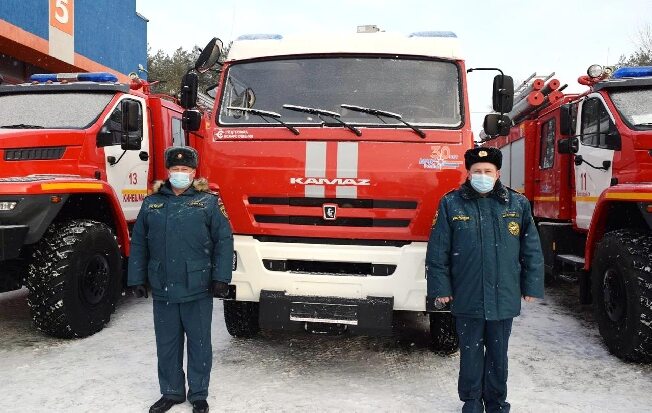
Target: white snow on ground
557,364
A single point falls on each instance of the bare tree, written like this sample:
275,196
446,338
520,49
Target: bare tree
643,55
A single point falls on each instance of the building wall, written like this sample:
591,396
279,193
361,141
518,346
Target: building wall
71,35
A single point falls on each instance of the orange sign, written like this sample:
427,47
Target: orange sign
62,15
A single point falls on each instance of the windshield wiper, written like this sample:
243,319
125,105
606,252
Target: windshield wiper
643,124
22,126
379,112
265,114
323,112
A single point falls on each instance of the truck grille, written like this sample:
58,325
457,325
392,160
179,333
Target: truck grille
302,216
34,154
360,269
341,202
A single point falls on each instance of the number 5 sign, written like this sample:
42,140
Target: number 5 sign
62,13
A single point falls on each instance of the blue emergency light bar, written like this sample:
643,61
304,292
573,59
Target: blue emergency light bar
640,71
74,77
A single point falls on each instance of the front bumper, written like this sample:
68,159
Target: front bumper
12,238
369,316
26,222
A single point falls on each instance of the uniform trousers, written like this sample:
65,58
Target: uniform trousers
172,323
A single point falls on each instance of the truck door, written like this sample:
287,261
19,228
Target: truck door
591,178
128,176
546,189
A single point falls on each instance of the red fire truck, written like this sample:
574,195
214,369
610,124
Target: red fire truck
585,163
331,154
77,155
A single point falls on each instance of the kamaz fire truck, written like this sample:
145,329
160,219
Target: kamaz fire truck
331,154
585,162
77,155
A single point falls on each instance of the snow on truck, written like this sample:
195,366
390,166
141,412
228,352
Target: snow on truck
585,162
331,154
77,155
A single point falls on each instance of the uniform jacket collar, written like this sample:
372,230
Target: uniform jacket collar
499,192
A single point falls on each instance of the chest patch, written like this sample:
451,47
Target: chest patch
197,204
461,218
510,214
514,228
222,207
156,206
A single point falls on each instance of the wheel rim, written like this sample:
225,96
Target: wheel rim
615,299
95,280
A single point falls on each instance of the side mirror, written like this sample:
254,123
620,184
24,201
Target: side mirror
131,137
496,124
189,86
612,138
568,145
209,55
191,120
130,111
503,93
567,115
105,137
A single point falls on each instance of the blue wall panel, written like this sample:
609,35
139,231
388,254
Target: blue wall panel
29,15
111,33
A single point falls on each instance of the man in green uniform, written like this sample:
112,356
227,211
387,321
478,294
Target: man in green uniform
483,255
182,246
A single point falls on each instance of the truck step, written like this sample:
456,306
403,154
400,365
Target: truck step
573,260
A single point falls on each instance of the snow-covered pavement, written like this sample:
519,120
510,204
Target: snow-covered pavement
557,364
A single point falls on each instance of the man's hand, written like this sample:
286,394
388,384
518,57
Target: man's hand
140,291
220,289
528,299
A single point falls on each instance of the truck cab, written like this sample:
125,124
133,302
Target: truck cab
585,163
331,153
77,155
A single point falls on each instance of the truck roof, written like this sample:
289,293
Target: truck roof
64,87
431,44
624,82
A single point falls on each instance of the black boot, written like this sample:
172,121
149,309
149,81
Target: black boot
199,406
163,405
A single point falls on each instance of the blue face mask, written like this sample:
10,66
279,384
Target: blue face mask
482,183
180,180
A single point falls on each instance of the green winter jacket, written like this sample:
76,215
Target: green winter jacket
485,253
180,244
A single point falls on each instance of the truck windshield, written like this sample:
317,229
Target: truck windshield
69,110
423,92
634,106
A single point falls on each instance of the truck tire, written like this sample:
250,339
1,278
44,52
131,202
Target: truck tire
74,278
443,333
622,293
241,318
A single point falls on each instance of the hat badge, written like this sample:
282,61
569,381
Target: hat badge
482,154
179,156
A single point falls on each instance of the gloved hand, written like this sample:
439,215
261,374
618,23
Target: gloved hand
140,291
220,289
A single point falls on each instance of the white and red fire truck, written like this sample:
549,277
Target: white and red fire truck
585,162
77,155
331,154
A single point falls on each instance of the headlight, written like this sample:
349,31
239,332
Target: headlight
7,205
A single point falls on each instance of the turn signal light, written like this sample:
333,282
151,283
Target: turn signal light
55,199
649,208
